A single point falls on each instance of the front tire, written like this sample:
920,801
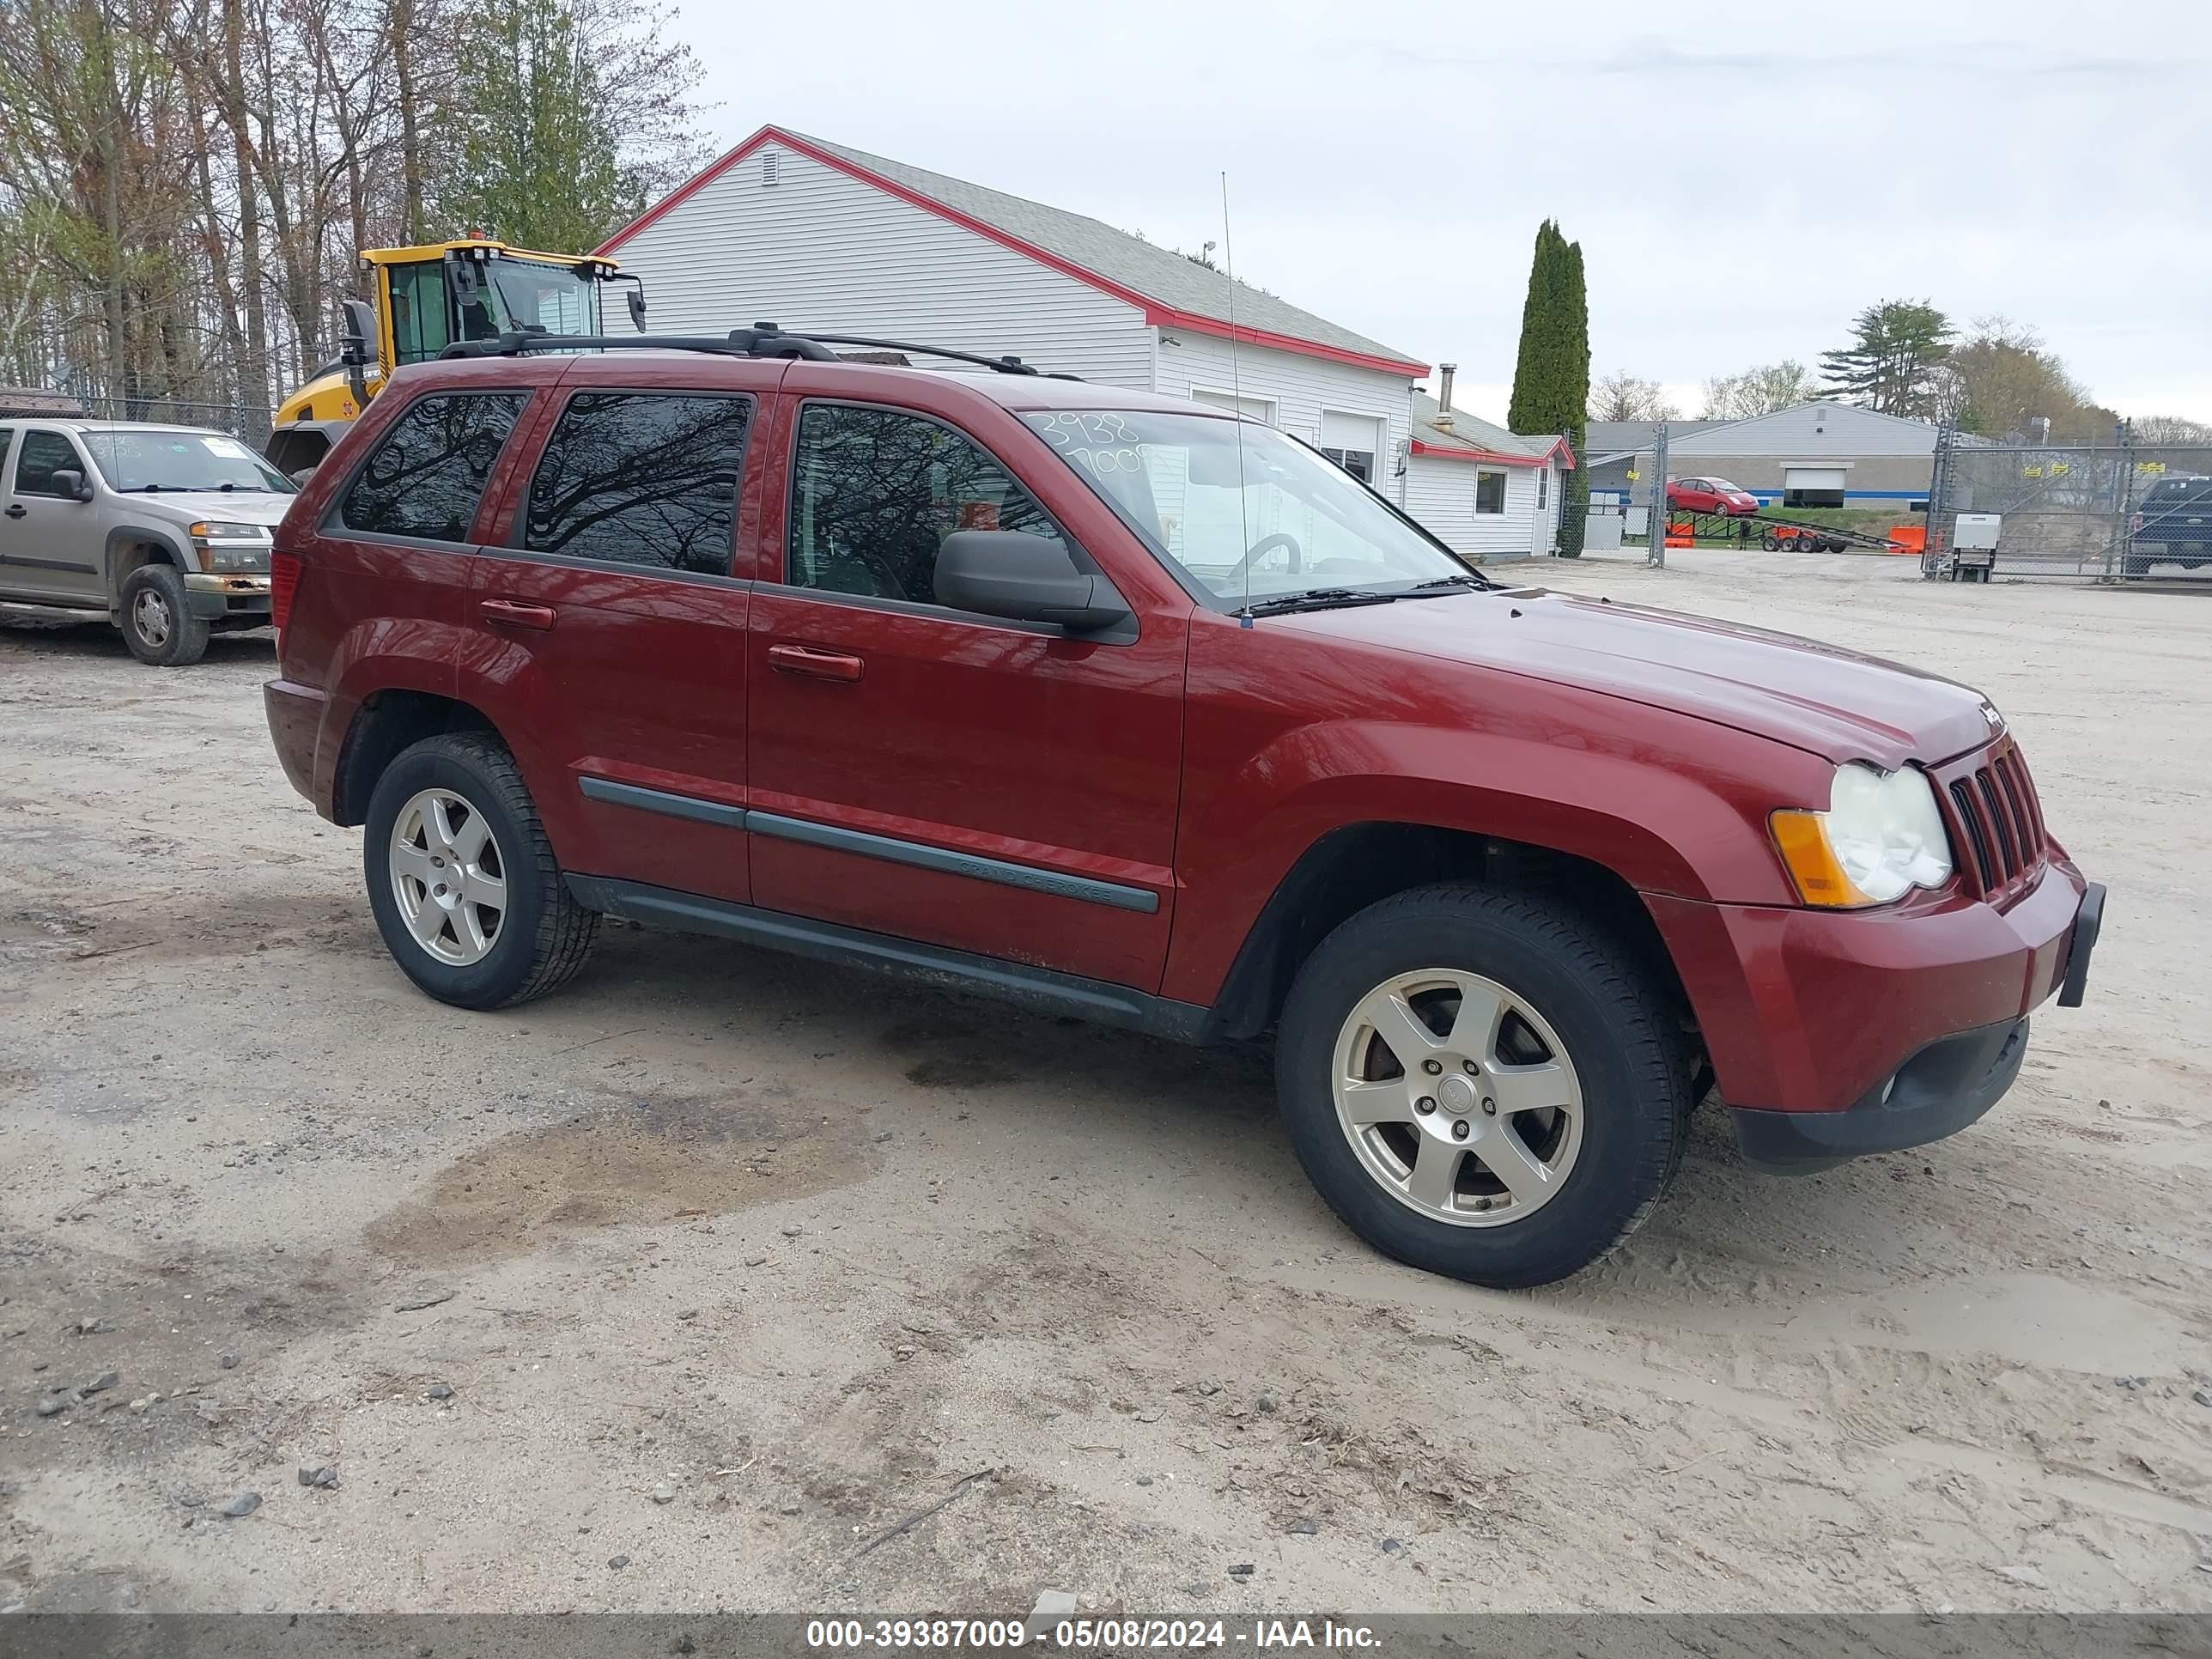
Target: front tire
463,882
1482,1084
156,618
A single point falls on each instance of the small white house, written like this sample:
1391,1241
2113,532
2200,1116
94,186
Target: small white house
808,234
1480,489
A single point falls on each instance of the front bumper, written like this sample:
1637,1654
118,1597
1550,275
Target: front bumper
1815,1014
1939,1091
215,594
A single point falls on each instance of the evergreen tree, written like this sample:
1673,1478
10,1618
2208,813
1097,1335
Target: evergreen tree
1894,360
1551,379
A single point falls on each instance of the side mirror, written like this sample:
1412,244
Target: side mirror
1024,578
70,484
357,342
636,298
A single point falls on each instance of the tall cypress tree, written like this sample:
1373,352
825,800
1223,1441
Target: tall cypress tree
1551,381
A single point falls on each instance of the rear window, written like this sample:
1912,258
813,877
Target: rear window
641,478
426,475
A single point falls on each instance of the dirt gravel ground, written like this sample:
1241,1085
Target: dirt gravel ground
694,1286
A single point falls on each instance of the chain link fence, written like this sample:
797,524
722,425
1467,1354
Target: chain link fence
2119,512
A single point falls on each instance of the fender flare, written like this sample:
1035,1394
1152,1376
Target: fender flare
124,536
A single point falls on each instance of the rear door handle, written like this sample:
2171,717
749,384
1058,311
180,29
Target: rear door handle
512,613
16,509
814,662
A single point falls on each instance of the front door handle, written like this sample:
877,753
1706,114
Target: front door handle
814,662
16,509
512,613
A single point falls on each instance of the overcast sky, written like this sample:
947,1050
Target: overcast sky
1743,176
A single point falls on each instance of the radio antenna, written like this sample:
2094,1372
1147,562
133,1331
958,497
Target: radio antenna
1237,393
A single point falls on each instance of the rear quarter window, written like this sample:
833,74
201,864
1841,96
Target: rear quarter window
426,477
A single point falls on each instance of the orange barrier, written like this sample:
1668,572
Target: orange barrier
1908,538
1682,535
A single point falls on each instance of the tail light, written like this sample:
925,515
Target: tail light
284,579
2135,524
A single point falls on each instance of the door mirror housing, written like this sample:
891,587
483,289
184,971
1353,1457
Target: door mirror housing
71,484
1024,578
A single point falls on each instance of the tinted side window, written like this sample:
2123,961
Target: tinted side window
642,477
42,454
876,491
426,474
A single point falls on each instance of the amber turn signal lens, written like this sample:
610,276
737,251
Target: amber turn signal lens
1812,862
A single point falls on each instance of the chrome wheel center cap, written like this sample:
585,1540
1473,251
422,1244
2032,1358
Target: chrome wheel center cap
1456,1095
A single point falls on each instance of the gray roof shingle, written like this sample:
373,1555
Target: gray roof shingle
1473,432
1159,274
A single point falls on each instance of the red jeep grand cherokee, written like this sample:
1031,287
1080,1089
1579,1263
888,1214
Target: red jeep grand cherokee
1119,707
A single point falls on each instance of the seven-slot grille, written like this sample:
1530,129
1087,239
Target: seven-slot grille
1995,819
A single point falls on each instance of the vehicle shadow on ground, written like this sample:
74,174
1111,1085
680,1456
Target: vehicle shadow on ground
83,635
1726,1236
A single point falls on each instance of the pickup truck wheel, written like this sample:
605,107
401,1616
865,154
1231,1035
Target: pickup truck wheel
157,620
1482,1084
463,882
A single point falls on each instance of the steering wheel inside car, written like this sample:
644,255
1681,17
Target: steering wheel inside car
1281,538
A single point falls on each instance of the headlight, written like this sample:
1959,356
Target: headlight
1881,837
231,546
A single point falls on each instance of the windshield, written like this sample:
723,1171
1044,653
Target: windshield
525,293
1277,519
157,460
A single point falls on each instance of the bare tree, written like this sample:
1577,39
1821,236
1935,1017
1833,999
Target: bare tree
1760,389
1631,398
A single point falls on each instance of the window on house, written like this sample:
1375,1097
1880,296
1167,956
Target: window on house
1489,491
426,477
876,491
1543,488
641,478
1359,462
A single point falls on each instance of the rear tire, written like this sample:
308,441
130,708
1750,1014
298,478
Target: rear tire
156,618
1580,1022
463,882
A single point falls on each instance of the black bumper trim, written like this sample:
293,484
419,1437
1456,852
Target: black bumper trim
2089,922
1941,1090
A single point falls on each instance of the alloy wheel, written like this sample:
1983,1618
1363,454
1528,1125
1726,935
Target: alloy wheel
149,614
448,876
1459,1098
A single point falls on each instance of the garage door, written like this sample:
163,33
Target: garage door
1252,409
1352,441
1813,486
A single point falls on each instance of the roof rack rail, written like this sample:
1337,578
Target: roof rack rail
761,340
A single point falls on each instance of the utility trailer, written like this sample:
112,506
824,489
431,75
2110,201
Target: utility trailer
1777,534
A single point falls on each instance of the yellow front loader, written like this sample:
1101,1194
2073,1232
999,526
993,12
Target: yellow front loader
422,300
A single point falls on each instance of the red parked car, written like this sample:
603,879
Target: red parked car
1119,707
1711,496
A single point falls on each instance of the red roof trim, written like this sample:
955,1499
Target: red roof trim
1154,312
1452,452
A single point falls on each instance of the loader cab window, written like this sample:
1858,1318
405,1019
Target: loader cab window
420,325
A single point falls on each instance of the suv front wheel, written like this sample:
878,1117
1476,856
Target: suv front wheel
462,880
1481,1085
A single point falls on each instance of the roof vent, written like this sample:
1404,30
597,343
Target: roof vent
768,169
1444,373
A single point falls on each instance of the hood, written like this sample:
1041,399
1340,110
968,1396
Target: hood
220,506
1832,703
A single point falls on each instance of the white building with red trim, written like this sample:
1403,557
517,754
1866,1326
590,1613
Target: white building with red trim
810,234
1482,490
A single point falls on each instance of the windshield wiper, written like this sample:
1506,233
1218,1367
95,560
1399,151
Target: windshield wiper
1466,578
1317,598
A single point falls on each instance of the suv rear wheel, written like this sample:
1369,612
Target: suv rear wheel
1482,1086
157,619
462,880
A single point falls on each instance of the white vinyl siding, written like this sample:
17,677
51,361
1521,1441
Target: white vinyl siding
819,249
1304,390
1440,494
